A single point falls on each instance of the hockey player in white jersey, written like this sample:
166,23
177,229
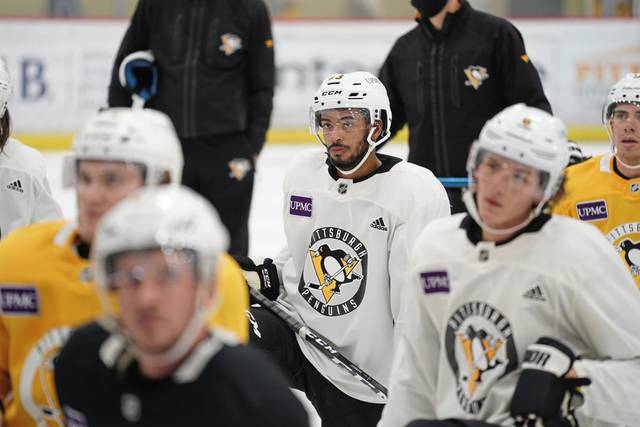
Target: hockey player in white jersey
25,196
507,295
350,217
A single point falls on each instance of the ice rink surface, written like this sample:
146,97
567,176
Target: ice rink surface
266,229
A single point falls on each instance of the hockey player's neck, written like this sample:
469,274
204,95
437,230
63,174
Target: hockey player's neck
369,166
621,165
150,369
488,236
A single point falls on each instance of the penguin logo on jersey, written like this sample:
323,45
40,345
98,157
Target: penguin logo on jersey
480,349
476,75
632,255
334,281
626,239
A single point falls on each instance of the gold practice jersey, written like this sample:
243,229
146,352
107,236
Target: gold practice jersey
45,292
595,193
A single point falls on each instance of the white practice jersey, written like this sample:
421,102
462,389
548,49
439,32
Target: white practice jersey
25,196
472,310
345,265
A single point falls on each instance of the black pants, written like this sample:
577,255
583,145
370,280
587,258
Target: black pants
336,409
221,168
455,197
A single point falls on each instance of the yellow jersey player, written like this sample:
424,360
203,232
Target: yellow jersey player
45,281
605,190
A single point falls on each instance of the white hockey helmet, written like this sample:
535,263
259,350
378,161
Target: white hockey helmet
146,137
358,90
526,135
626,90
5,87
168,218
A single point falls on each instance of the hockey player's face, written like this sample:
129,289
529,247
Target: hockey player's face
506,191
344,133
99,186
156,295
625,129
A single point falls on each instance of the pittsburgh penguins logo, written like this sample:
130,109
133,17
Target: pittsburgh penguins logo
631,255
476,75
626,239
333,281
480,350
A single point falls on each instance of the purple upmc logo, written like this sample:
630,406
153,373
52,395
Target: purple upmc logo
301,206
592,211
19,301
435,282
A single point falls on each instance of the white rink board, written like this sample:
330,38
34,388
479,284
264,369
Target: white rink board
61,68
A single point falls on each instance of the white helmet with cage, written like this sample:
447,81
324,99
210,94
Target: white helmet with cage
172,219
5,87
360,91
526,135
626,90
139,136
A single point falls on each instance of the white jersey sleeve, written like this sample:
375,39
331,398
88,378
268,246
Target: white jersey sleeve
25,195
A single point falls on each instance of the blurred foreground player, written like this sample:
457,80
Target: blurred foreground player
152,360
45,285
351,217
486,287
605,191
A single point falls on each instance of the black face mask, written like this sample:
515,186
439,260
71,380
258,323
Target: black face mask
429,8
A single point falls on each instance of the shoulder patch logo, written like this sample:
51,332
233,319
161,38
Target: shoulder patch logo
535,293
434,282
19,301
379,224
593,210
15,186
476,75
300,206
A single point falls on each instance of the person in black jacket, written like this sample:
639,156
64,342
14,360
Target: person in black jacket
151,360
451,73
216,77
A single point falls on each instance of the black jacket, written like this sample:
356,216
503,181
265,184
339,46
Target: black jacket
205,90
426,77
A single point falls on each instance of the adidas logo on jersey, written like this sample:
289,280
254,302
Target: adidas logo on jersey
535,293
378,224
16,186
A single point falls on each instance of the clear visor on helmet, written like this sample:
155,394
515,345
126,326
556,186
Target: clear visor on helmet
330,123
491,168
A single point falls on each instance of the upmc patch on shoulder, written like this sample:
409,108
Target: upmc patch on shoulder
435,282
300,206
592,210
19,301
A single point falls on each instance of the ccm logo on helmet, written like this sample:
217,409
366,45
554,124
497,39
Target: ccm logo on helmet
331,92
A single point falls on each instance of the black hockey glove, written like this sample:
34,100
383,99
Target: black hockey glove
575,154
139,75
543,396
262,277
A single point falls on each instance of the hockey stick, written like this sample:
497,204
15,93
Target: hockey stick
325,346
